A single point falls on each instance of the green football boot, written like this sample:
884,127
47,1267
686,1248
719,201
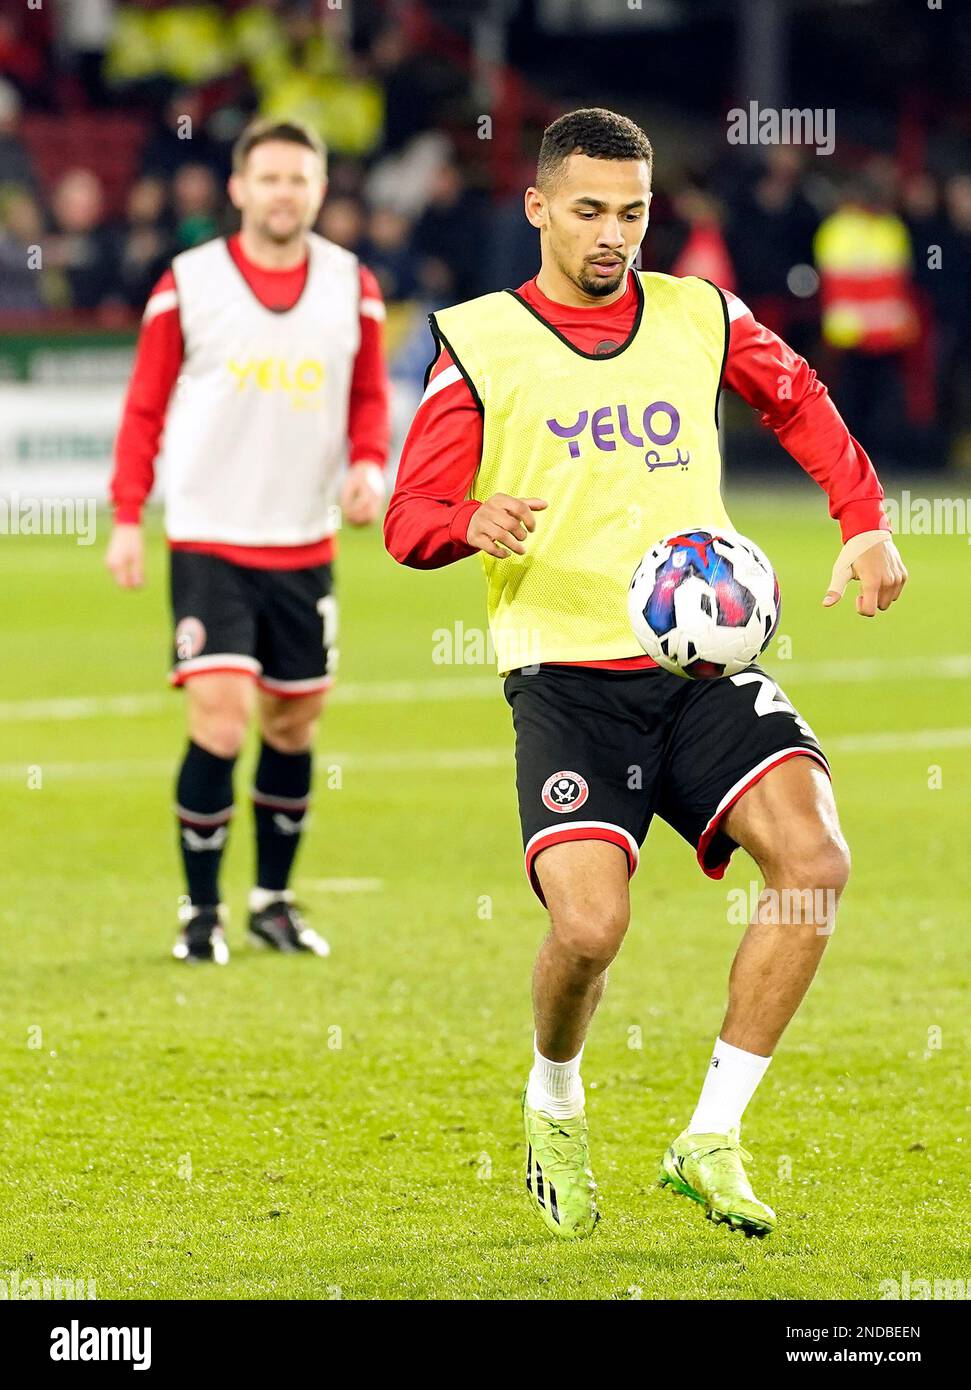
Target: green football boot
558,1177
708,1169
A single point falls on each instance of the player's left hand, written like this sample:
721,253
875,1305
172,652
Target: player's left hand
882,575
362,493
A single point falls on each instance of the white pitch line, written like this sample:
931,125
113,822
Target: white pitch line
344,885
418,760
406,692
892,742
954,667
443,689
470,759
437,690
81,707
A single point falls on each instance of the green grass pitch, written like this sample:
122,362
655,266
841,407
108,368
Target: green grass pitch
350,1128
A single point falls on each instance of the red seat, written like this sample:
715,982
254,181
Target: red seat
108,144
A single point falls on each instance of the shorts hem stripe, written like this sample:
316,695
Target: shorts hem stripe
221,664
735,792
315,685
579,830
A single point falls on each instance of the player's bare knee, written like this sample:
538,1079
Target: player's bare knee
218,726
290,726
832,864
220,735
290,737
591,940
818,858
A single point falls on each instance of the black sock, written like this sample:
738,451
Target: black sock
281,796
204,806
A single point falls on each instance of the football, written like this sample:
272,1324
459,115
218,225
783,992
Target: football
704,604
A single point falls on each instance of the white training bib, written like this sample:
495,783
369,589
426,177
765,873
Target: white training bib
256,434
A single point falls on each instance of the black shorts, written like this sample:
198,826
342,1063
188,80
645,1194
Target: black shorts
278,626
599,752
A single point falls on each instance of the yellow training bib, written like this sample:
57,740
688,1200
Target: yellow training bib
623,447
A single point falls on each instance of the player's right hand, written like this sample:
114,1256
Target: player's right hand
502,524
125,557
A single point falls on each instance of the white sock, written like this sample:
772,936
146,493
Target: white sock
729,1086
555,1087
260,898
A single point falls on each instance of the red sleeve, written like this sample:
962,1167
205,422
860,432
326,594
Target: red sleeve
428,516
797,406
158,360
368,421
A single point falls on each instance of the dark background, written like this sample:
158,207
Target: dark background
95,168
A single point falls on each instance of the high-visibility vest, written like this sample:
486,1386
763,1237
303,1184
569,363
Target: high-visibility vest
863,260
622,445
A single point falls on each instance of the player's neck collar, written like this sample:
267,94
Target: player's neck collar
591,356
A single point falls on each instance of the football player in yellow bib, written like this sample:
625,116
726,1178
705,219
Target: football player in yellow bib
566,426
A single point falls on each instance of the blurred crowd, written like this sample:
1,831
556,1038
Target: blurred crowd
413,219
866,269
173,86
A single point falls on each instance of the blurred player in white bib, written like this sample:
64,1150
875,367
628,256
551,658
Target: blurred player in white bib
260,356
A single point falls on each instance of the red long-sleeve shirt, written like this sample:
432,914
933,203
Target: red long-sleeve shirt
158,361
427,520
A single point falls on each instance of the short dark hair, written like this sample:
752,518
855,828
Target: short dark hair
593,131
260,131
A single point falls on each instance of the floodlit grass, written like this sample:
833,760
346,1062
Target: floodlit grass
303,1128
